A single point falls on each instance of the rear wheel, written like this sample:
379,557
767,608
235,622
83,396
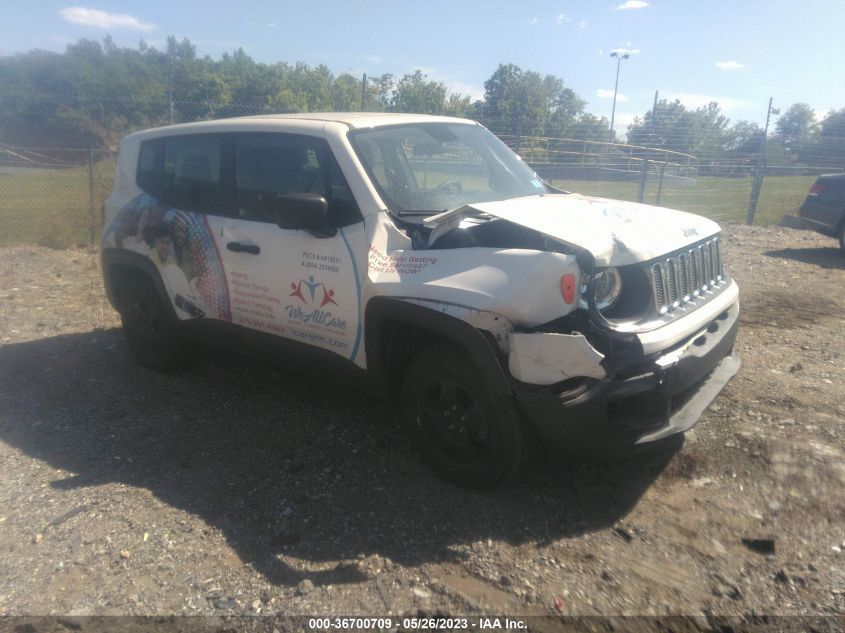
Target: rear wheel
470,436
150,329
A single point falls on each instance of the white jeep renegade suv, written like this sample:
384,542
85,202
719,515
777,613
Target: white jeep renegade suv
422,252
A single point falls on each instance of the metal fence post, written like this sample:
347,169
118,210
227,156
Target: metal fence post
758,172
660,182
643,176
93,216
518,134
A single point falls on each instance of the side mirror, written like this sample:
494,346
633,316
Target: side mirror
304,212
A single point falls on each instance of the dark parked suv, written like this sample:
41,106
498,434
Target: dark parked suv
824,208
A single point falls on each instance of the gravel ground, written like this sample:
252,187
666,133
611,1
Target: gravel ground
233,488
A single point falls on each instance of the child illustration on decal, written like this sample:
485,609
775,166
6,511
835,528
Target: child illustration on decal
177,284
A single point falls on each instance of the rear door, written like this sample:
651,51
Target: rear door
183,183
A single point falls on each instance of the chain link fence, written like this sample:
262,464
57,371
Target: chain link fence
51,192
52,196
726,176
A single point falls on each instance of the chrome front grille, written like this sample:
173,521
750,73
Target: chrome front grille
687,276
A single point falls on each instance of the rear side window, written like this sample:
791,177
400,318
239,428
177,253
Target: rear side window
184,172
192,173
149,166
243,175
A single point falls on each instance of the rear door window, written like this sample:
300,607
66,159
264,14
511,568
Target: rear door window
192,173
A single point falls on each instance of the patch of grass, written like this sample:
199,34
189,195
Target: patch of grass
52,207
721,199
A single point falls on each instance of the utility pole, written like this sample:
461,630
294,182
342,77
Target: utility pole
363,90
619,59
761,163
644,175
170,82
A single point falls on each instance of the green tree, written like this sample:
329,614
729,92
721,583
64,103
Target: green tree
828,151
670,125
744,138
589,127
379,93
796,129
458,105
537,105
415,93
346,93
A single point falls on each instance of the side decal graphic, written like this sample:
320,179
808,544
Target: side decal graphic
181,246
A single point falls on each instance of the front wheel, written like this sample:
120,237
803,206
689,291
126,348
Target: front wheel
468,435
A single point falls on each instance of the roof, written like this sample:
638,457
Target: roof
361,119
304,121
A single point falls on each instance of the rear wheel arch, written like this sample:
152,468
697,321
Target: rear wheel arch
122,269
151,331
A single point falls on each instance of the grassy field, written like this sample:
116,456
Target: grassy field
722,199
52,207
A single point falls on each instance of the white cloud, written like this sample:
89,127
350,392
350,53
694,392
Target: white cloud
626,51
632,4
820,112
583,24
475,93
562,19
104,20
623,120
453,83
533,20
729,65
371,59
608,94
695,100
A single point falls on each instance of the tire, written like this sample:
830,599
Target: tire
470,437
149,328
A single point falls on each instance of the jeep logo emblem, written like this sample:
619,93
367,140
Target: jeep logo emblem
690,232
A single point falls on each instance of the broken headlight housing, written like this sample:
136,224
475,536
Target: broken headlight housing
607,287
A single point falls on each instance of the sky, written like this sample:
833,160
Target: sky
736,52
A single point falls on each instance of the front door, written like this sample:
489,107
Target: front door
289,282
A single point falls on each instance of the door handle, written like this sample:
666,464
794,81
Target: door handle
237,247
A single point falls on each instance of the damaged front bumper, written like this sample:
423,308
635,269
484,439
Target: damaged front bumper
640,400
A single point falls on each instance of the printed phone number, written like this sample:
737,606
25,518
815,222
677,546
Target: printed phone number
408,624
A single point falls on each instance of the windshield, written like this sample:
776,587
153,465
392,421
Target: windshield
426,168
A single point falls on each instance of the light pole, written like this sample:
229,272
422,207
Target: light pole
619,59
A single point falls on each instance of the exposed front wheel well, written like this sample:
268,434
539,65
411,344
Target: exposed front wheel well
397,331
402,342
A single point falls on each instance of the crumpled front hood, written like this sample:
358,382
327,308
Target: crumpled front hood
615,232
